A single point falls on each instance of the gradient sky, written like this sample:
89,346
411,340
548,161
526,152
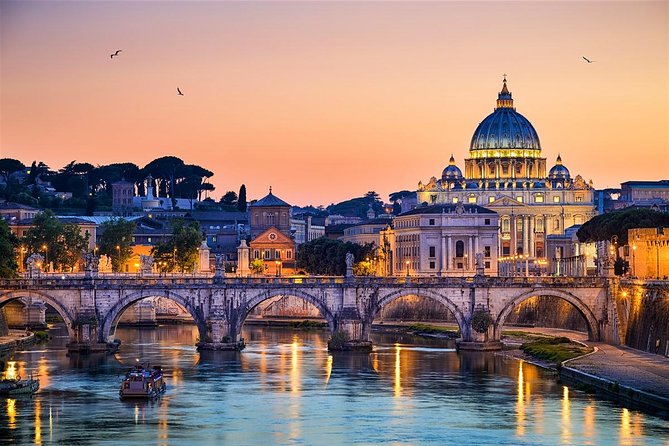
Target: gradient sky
325,101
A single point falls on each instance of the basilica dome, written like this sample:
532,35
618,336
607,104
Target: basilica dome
558,171
451,172
505,129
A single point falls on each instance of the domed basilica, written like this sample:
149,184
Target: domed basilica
506,173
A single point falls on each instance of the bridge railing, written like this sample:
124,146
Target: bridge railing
121,281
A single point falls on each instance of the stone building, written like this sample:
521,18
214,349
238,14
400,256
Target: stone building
506,173
441,240
271,238
648,252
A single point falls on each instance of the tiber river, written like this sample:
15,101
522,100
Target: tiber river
286,389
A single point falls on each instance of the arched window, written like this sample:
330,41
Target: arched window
459,248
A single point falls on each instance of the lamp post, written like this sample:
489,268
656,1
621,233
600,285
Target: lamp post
22,253
407,264
118,258
527,265
45,248
277,263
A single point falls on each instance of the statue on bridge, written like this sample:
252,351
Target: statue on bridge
91,264
146,264
35,263
219,271
349,264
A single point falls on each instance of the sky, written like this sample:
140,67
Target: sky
325,101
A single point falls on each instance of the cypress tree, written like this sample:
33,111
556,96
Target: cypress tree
241,199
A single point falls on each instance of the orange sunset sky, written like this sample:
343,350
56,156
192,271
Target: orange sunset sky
327,100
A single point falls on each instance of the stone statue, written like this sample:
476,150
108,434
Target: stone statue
146,264
218,272
91,264
349,260
34,262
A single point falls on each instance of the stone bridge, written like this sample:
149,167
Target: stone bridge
91,306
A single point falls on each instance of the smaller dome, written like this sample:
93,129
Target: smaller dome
451,172
558,171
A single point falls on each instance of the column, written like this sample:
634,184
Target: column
477,249
449,253
532,252
514,233
470,257
526,234
443,254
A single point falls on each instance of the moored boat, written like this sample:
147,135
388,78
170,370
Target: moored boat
141,383
18,386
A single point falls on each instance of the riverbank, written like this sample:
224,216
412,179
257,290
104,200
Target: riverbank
620,373
16,339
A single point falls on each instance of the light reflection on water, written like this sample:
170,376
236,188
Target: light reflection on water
285,388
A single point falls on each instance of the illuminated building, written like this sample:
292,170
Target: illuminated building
272,242
506,173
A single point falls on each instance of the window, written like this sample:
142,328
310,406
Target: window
459,248
455,200
471,200
432,222
486,221
432,265
289,254
148,239
556,224
519,199
538,198
277,254
540,225
487,264
579,198
256,254
491,199
433,251
506,225
267,254
486,251
556,199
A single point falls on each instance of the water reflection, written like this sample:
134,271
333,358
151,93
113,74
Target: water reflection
285,388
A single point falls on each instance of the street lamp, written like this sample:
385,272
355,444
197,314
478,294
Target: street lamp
277,263
46,256
527,265
118,258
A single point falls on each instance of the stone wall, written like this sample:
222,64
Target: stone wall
647,315
548,312
4,330
414,308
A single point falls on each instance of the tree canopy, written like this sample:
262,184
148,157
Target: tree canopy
605,226
8,244
116,241
358,207
180,252
325,256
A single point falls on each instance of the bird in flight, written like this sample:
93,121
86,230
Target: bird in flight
588,60
116,53
179,92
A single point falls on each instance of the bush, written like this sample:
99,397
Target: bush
481,320
41,336
338,340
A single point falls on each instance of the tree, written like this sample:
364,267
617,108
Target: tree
603,227
61,244
241,201
8,244
229,199
180,252
115,241
44,237
8,166
257,266
328,257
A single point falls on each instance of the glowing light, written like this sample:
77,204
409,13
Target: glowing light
295,366
328,368
38,422
520,403
566,426
11,413
398,369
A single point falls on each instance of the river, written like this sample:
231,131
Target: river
285,388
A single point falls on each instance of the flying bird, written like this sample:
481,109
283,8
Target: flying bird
588,60
179,92
116,53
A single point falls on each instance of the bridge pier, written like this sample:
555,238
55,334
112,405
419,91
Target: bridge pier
87,336
220,336
350,333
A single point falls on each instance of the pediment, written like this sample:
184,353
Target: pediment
505,201
272,235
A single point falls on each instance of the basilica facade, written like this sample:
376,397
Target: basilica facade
506,173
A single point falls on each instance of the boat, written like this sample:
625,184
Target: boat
18,386
140,383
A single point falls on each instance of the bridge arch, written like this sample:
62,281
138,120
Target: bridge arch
67,316
266,295
110,319
581,307
386,299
